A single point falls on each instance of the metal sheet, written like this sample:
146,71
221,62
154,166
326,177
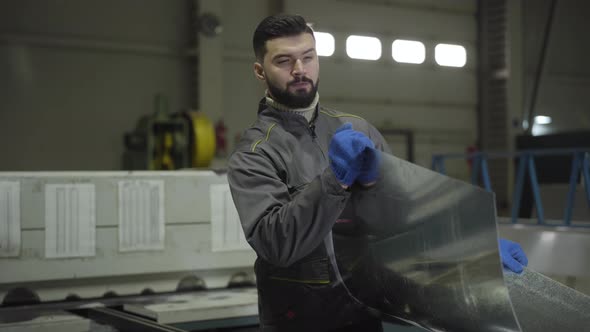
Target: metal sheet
43,321
543,304
199,306
426,253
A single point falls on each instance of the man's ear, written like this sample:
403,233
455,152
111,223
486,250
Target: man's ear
259,71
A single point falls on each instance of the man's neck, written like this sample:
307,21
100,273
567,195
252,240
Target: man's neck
306,112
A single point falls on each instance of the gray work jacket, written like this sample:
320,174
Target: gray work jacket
288,199
286,195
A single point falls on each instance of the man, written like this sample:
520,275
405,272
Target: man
291,176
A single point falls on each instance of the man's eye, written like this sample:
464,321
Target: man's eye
280,62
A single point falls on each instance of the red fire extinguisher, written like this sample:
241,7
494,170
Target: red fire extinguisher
220,138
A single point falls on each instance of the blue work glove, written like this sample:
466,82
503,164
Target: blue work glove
346,153
512,256
370,168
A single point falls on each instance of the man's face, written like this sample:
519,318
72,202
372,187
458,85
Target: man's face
291,70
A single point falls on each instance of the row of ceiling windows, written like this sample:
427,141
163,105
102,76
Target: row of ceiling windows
403,51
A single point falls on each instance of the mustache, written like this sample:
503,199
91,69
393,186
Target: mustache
299,80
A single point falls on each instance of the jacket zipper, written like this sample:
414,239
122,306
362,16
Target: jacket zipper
312,131
311,128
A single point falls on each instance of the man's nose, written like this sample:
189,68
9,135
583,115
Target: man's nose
298,69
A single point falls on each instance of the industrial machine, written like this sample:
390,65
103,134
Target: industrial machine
169,141
164,251
83,249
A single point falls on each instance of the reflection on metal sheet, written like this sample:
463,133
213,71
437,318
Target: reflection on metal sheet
428,253
543,304
547,246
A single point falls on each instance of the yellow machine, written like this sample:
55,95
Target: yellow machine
165,141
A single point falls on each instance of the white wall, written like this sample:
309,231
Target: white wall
438,103
76,75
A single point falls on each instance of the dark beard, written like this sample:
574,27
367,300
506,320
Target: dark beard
299,99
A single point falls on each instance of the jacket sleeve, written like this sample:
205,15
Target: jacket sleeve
282,229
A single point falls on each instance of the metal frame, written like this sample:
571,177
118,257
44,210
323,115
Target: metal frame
580,164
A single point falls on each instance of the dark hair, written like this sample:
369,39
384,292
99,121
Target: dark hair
277,26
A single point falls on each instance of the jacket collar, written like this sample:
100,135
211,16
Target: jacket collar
285,119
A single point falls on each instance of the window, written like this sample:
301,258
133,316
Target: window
543,119
450,55
362,47
541,125
324,43
408,51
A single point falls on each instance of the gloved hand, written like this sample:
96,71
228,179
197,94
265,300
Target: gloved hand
512,256
346,153
370,168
